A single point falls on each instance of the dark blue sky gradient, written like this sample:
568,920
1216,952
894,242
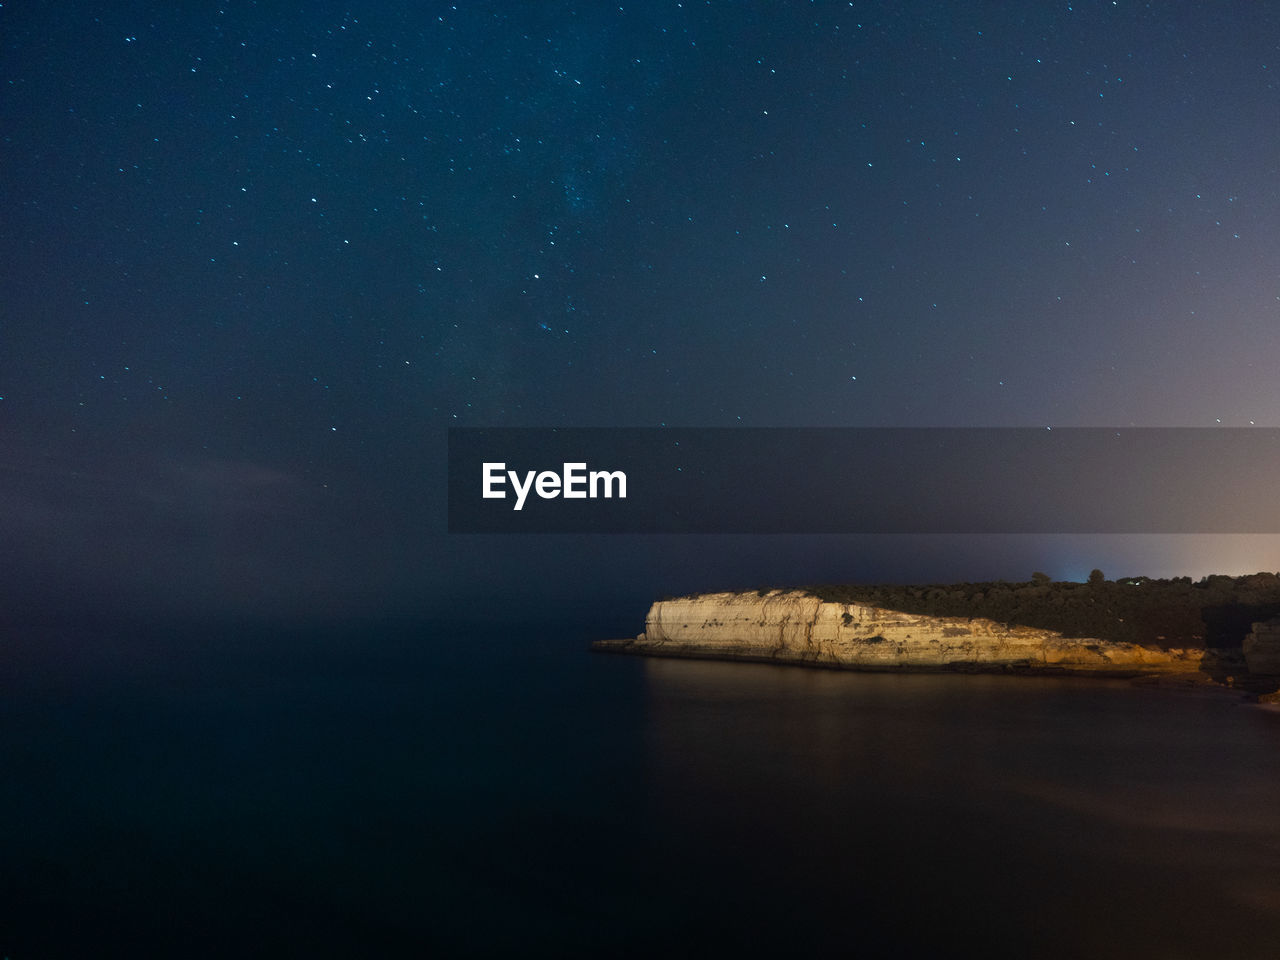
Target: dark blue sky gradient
257,258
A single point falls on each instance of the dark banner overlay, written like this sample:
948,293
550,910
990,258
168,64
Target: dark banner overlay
864,480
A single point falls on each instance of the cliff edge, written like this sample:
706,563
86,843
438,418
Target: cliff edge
797,627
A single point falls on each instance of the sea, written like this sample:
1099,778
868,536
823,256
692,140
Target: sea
427,790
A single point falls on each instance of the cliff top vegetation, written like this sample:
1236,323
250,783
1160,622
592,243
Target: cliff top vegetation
1215,611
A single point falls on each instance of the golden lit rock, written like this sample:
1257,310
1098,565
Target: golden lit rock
796,627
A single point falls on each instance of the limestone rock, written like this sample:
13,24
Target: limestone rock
1262,648
794,627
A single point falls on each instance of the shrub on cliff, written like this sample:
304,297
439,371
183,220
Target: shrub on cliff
1216,612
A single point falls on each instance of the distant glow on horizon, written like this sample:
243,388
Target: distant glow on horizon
1162,556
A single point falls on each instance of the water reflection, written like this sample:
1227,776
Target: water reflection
909,810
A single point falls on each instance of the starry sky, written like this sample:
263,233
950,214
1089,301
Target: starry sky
258,257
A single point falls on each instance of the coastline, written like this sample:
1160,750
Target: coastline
796,628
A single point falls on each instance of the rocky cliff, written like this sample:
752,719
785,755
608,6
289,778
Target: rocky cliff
795,627
1262,648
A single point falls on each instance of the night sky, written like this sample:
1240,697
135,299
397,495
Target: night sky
258,257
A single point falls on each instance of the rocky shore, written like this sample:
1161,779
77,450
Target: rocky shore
794,626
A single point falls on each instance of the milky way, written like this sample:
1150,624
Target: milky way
248,241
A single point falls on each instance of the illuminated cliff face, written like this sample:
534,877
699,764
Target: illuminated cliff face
798,628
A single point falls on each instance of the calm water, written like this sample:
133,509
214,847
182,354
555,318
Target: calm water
410,792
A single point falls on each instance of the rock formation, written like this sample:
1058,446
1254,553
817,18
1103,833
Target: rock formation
796,627
1262,648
